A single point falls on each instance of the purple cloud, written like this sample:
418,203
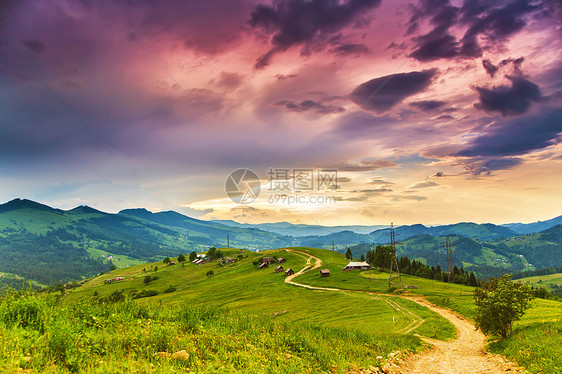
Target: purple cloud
512,100
301,22
381,94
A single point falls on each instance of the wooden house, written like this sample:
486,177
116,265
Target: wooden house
267,260
263,265
356,266
281,260
279,269
289,272
325,272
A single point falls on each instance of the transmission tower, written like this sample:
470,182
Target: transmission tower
392,280
449,249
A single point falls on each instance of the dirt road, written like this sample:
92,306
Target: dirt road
464,355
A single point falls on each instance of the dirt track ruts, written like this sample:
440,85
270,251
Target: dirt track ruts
465,354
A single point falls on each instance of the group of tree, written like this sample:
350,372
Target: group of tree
214,253
381,256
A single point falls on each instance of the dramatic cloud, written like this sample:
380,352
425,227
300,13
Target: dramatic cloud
512,100
428,105
517,137
381,94
492,69
484,166
302,22
351,49
495,21
309,105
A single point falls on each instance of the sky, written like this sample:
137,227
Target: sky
348,112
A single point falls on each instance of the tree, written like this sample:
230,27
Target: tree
166,260
210,273
362,257
181,258
499,303
383,255
192,256
348,254
213,253
112,267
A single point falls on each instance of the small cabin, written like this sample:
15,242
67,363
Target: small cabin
171,263
281,260
267,260
325,272
279,269
119,278
357,266
108,281
289,272
230,260
263,265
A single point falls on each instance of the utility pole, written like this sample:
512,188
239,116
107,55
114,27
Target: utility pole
449,249
393,262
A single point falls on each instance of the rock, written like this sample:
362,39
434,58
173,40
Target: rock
181,355
162,354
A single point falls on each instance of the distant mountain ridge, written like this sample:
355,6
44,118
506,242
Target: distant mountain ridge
529,228
286,228
48,244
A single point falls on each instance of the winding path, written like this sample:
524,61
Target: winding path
464,355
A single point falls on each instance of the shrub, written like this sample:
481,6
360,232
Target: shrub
499,303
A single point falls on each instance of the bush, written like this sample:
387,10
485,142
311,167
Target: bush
499,303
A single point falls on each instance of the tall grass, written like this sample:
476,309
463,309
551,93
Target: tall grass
48,334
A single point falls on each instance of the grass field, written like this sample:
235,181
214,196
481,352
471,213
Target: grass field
247,320
551,282
242,287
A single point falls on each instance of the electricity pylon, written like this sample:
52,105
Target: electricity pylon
449,249
393,262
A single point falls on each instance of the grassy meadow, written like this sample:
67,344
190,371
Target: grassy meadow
241,319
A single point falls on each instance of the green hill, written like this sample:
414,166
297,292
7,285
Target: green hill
242,319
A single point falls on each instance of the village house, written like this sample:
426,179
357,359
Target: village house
325,272
279,269
119,278
263,265
356,266
289,272
281,260
171,263
267,260
230,260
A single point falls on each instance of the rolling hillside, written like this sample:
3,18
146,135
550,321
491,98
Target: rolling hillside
49,245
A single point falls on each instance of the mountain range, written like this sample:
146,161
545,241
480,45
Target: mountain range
48,245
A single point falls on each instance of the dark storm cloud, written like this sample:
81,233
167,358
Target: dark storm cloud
350,49
302,22
309,105
428,105
381,94
512,100
483,166
492,69
517,137
497,21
